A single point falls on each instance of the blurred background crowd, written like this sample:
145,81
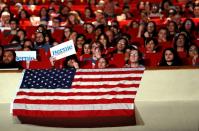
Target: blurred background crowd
106,33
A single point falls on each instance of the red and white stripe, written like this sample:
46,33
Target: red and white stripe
94,92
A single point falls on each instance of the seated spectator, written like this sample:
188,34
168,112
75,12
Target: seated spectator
67,32
14,26
88,14
135,59
151,45
5,19
181,44
170,58
102,63
118,55
163,35
9,61
196,11
189,26
193,55
71,62
172,29
28,45
150,30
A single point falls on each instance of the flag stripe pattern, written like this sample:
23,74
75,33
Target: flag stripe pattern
82,93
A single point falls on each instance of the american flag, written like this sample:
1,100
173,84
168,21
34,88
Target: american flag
78,98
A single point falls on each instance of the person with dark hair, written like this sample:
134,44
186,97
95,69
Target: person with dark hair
193,55
170,58
189,27
172,29
181,44
118,55
22,36
163,35
102,63
71,62
23,15
151,45
14,26
135,59
150,30
9,61
43,14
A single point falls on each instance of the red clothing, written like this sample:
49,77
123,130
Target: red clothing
117,61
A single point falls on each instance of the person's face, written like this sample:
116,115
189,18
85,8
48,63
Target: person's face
169,56
180,41
102,63
87,13
39,37
99,16
166,5
90,28
43,12
71,62
188,25
135,24
13,25
73,36
121,44
193,51
8,57
67,32
177,18
134,56
80,41
102,40
154,8
162,34
5,18
20,34
94,46
110,35
71,17
65,11
23,14
196,11
87,49
171,27
150,27
55,23
27,44
150,46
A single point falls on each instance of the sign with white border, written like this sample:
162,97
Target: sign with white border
63,50
26,55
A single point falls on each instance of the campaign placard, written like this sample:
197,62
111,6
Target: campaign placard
26,55
63,50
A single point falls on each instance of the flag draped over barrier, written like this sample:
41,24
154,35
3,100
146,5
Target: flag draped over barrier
78,98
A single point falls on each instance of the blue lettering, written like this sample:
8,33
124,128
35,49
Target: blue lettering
62,50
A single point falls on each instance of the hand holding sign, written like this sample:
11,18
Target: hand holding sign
63,50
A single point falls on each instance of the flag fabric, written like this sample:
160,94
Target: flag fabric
78,98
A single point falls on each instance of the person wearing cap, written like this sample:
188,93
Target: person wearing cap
5,18
100,18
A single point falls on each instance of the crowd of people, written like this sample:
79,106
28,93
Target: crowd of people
106,33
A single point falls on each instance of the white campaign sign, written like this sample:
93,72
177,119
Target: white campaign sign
63,50
25,55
